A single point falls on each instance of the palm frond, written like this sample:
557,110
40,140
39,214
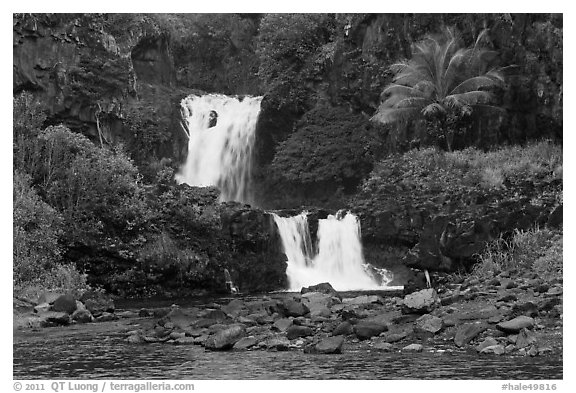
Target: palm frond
478,82
406,91
468,98
432,109
409,102
392,115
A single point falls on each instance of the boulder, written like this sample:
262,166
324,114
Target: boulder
365,329
293,308
516,324
82,316
429,323
179,318
413,348
467,332
324,287
383,346
233,308
525,338
494,349
106,317
488,342
65,303
395,337
97,302
245,343
55,318
330,345
296,331
319,303
282,324
226,338
279,343
420,302
343,329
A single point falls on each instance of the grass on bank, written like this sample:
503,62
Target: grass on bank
537,250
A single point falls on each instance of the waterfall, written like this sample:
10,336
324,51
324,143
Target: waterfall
221,131
339,260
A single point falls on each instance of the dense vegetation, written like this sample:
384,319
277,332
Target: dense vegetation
97,134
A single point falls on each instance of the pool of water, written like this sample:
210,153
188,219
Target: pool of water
86,355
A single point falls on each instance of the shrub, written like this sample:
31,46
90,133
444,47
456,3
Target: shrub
37,227
36,252
95,189
330,145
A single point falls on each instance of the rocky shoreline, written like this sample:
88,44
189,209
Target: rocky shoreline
511,314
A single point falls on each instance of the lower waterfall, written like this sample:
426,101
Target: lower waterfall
339,258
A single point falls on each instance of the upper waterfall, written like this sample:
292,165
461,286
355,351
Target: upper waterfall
221,139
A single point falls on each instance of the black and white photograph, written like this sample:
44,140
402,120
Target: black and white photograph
208,196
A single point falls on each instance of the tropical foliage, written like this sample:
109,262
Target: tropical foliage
442,84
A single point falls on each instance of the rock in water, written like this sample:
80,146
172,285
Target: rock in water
413,348
364,329
82,316
488,342
245,343
53,318
383,346
495,349
420,302
65,303
330,345
279,343
324,287
179,318
225,339
467,332
429,323
98,302
516,324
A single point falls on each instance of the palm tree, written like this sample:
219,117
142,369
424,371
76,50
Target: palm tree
442,83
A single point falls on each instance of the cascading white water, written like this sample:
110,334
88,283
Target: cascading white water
339,260
221,138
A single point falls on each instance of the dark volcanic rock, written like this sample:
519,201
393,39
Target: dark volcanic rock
82,316
345,328
293,308
245,343
365,329
225,339
65,303
516,324
422,302
429,323
298,331
97,302
330,345
467,332
53,318
324,287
